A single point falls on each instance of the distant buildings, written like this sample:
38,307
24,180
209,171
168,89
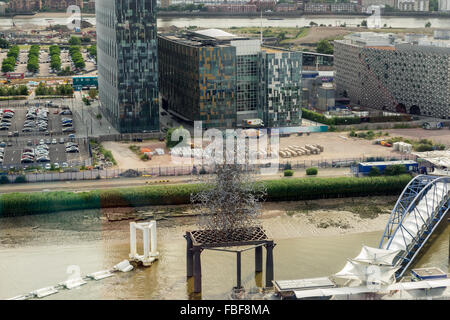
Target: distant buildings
28,6
382,72
413,5
3,7
25,6
367,3
231,8
444,5
222,79
128,64
313,7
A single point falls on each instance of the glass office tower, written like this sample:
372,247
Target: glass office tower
128,64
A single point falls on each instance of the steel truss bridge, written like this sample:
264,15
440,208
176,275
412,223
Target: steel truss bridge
421,207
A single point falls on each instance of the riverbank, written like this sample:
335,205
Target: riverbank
44,15
288,189
281,220
85,239
296,14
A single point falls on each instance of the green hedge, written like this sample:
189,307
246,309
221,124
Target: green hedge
15,204
318,117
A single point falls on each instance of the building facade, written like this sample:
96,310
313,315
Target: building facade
281,74
25,6
383,73
413,5
444,5
222,79
128,64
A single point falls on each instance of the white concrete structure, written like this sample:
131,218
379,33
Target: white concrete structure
149,239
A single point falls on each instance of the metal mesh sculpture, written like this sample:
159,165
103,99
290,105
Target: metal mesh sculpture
231,202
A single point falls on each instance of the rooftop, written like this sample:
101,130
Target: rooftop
216,34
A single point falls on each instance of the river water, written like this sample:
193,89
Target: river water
38,251
227,22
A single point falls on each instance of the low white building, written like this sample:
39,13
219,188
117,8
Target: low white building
444,5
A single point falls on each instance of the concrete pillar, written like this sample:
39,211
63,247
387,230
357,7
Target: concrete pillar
269,263
132,239
189,256
153,241
146,243
238,270
197,270
258,259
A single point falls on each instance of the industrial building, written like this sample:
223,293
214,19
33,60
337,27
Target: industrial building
318,90
128,64
384,72
223,79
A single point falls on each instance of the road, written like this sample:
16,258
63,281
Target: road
85,185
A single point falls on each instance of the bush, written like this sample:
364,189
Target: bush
395,170
312,171
374,172
423,147
4,180
288,173
20,179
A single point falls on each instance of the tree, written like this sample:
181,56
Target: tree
4,44
324,46
428,24
364,23
74,41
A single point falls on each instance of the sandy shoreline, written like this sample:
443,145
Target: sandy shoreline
50,15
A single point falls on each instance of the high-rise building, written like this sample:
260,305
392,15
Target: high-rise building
223,79
128,64
281,89
384,72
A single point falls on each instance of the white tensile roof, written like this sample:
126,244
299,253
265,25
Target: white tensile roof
355,270
376,256
215,33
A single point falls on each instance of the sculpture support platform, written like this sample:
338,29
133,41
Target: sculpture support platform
252,238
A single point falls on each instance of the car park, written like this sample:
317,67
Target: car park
43,159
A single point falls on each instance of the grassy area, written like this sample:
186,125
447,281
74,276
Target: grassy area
15,204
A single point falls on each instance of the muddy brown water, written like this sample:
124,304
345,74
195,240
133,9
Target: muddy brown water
43,250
